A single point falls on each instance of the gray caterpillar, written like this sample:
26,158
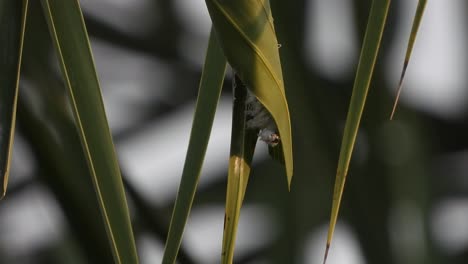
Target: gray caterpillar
260,118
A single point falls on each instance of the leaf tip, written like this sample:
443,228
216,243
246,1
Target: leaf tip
393,112
327,248
400,86
4,187
289,175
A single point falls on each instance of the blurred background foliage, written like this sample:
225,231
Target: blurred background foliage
405,199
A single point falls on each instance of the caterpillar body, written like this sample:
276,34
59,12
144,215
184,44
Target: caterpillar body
260,118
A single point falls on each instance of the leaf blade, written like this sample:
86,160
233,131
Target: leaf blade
243,143
409,49
12,26
209,91
68,32
246,33
368,57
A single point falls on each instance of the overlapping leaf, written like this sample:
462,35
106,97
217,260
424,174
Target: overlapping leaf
369,51
247,35
243,143
208,96
70,38
414,31
12,25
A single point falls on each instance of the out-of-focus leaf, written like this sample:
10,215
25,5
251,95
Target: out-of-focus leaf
369,51
63,167
243,143
247,35
45,123
12,24
68,31
414,31
208,96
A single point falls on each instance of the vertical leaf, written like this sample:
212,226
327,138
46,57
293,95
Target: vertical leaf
243,143
68,32
247,35
369,51
209,91
12,25
414,31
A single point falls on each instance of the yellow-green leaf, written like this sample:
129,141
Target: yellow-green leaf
247,35
369,51
243,143
12,25
414,31
68,32
208,96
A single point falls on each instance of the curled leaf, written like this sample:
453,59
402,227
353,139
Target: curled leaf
246,33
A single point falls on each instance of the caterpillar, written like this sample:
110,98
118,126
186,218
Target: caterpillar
257,116
260,118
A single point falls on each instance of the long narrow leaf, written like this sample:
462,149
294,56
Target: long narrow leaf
369,51
208,96
247,35
414,31
12,25
243,143
68,31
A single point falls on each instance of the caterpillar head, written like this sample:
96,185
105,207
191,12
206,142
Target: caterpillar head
270,137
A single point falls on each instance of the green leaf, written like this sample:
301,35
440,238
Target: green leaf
51,132
68,31
209,91
63,167
414,31
369,51
12,25
243,143
247,35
